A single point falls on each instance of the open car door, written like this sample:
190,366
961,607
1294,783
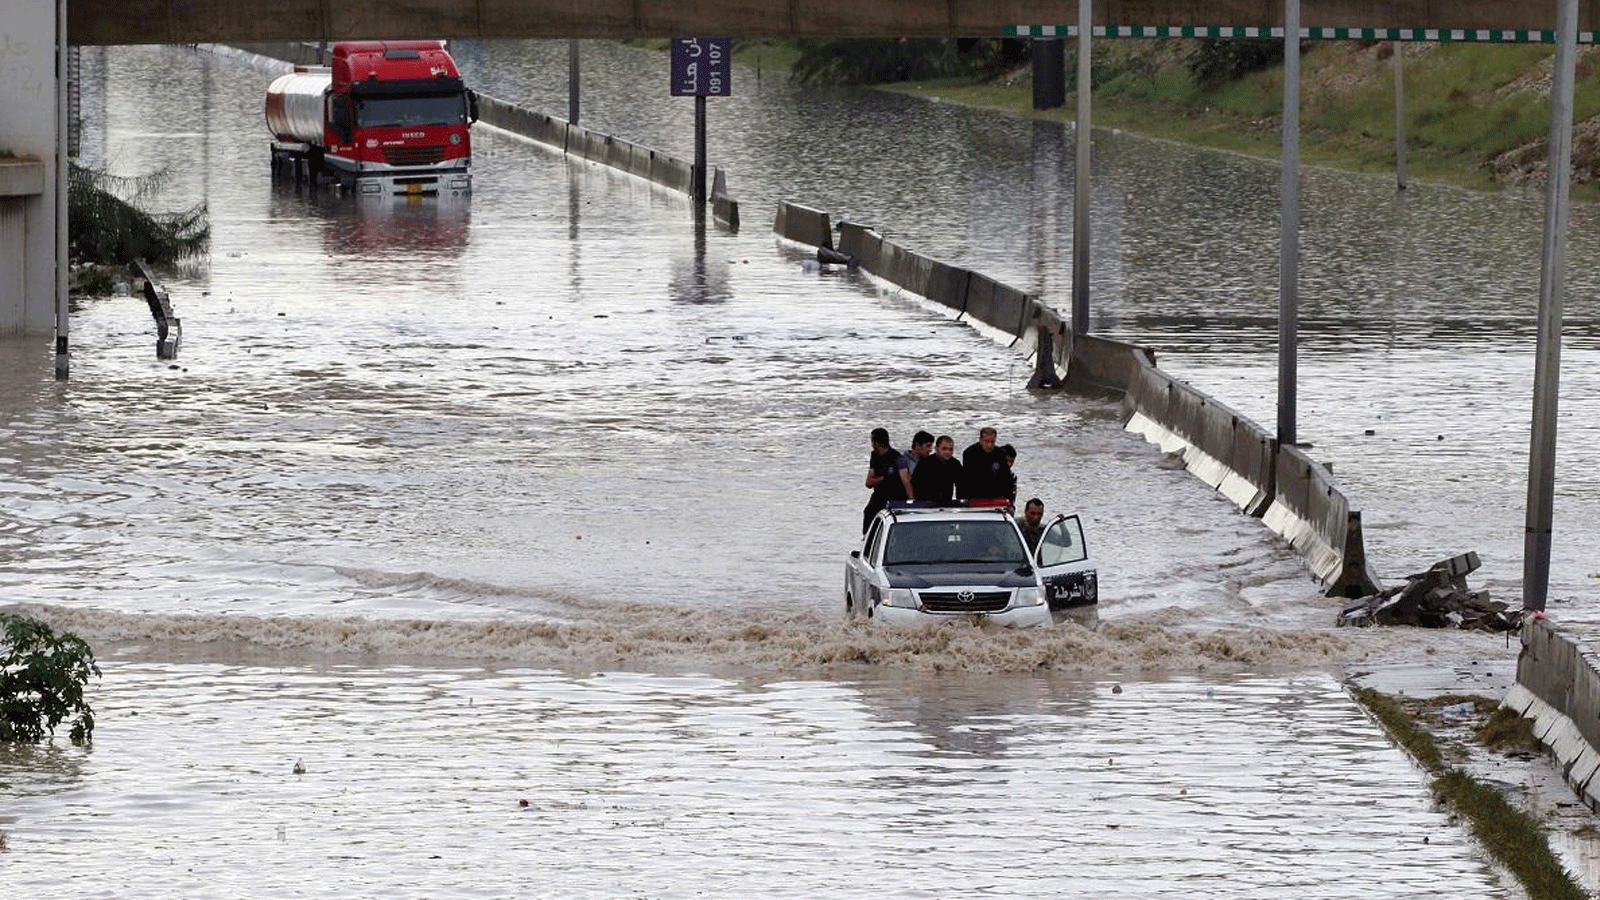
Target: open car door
1069,572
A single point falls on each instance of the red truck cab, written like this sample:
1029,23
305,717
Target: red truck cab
385,117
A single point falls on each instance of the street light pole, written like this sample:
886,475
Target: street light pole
1552,278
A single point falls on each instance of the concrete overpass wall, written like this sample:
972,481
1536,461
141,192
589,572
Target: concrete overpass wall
28,179
232,21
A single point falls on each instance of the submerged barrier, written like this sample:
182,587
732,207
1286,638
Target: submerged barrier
607,150
1293,495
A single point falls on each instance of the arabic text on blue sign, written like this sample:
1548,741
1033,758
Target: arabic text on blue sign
702,67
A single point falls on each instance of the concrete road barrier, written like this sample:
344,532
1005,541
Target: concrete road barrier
949,285
1558,686
1310,512
1104,364
862,243
803,224
607,150
1013,310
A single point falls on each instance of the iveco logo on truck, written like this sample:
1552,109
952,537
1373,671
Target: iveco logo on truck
385,118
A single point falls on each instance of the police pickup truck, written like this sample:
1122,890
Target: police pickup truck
949,562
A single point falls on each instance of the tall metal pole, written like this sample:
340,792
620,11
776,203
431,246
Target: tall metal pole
1399,116
1552,276
62,173
572,81
1080,202
1289,225
699,187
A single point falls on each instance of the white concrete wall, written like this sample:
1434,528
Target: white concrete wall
28,97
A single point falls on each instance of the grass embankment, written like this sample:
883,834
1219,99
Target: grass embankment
1514,838
1476,115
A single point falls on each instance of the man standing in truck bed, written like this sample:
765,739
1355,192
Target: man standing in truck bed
983,467
886,476
936,477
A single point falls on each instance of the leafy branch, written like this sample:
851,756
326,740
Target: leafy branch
42,676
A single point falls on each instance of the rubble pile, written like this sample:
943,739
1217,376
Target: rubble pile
1437,598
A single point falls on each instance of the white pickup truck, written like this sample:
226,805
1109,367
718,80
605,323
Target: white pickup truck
927,564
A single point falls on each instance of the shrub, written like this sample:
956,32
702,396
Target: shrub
872,60
42,676
1220,60
884,60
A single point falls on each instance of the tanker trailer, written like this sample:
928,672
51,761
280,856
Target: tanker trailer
385,118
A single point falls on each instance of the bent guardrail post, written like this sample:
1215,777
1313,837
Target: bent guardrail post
169,330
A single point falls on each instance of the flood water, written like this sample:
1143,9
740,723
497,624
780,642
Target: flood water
544,497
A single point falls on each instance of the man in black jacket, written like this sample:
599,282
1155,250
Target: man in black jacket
984,467
936,477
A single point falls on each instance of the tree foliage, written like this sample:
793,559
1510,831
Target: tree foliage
883,60
1219,60
105,228
42,676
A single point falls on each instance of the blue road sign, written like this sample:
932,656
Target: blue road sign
702,67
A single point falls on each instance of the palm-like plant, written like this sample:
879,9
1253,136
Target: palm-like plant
105,228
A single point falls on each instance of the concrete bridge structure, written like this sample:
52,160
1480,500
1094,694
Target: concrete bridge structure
185,21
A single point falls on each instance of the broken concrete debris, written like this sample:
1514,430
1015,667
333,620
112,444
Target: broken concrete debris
1437,598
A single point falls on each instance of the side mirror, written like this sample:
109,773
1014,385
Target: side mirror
855,554
472,107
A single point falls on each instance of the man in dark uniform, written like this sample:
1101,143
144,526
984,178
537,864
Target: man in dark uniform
886,476
1010,453
921,449
984,467
935,478
1032,522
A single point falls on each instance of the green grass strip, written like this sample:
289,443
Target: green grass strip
1514,838
1402,727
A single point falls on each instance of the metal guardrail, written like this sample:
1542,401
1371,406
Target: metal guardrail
169,330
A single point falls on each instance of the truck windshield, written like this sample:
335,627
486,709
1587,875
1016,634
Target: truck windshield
399,112
915,543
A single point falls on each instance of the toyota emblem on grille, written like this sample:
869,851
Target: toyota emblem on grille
964,596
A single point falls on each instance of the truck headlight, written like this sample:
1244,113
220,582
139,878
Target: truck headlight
900,597
1029,596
